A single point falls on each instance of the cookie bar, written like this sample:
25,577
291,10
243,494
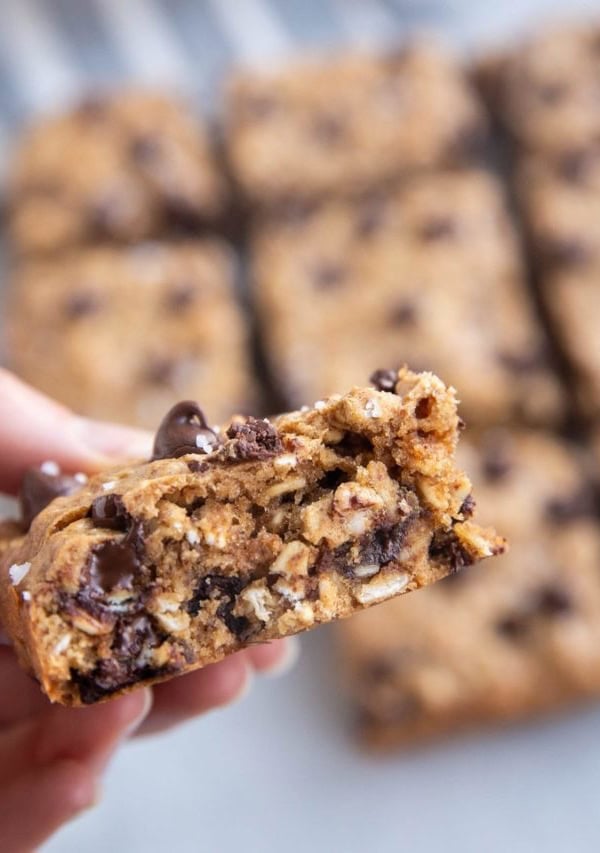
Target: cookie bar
545,92
239,536
343,125
116,168
515,638
430,274
561,210
124,332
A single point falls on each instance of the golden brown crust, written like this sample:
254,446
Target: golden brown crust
160,568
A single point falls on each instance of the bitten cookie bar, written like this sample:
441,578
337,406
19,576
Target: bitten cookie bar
545,92
117,168
123,333
236,537
430,274
343,125
515,638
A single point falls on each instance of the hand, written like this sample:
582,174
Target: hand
51,757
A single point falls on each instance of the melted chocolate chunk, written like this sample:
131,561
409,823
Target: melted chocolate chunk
81,304
183,430
446,548
384,380
438,228
38,489
253,439
379,546
225,588
109,511
328,276
114,564
197,467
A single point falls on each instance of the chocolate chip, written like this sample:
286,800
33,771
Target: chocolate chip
252,439
328,128
370,216
161,371
496,460
564,252
181,297
113,564
383,545
424,408
514,626
384,380
328,276
437,228
81,304
108,511
38,489
132,637
553,601
197,467
574,165
223,587
566,508
523,362
183,430
145,149
447,549
467,507
403,314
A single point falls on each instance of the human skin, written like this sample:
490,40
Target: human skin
52,758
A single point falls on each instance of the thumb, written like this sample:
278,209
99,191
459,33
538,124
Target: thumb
34,428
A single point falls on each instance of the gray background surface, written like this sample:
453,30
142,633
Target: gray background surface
279,771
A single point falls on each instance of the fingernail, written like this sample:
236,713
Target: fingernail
113,441
139,719
287,661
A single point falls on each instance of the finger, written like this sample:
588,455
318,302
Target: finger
34,428
20,695
40,801
80,734
200,691
276,657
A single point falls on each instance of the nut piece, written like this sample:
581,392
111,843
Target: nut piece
287,486
380,588
259,600
86,623
292,561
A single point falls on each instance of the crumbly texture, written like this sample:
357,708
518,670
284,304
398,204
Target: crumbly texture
123,333
545,92
510,639
429,274
164,567
343,125
561,210
116,168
